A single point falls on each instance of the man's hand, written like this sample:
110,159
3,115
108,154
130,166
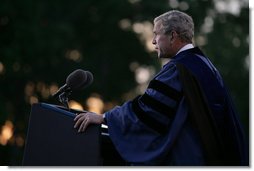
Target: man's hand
84,119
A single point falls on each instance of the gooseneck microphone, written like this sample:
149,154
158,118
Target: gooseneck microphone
77,80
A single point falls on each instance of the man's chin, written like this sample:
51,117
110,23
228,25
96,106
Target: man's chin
161,56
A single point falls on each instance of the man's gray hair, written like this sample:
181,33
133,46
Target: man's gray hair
178,21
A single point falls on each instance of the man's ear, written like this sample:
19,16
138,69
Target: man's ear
173,35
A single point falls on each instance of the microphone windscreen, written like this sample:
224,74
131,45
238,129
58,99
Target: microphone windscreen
79,79
89,79
76,78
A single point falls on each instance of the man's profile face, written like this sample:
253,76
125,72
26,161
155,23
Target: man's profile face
161,41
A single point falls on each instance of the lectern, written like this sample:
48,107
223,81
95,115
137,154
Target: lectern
52,140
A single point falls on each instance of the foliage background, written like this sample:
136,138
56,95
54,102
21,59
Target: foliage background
43,41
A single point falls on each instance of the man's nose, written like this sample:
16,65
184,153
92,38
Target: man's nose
154,41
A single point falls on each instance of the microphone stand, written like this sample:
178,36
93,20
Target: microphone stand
64,98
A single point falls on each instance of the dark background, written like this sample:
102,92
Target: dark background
43,41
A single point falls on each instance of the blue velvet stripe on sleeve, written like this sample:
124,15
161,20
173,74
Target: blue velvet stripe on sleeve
153,102
157,107
165,89
148,119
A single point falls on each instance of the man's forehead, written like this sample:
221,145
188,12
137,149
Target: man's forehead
157,26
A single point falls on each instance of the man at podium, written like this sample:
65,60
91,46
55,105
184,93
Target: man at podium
185,117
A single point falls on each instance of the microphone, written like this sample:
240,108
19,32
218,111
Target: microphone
77,80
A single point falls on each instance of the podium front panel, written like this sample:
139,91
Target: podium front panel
52,140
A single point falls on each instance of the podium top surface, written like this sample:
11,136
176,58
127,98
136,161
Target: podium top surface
69,112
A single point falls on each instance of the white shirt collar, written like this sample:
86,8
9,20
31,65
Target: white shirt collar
186,47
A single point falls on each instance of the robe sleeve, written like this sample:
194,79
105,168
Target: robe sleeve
144,129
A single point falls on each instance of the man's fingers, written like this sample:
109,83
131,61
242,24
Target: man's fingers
78,116
83,125
84,119
79,120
